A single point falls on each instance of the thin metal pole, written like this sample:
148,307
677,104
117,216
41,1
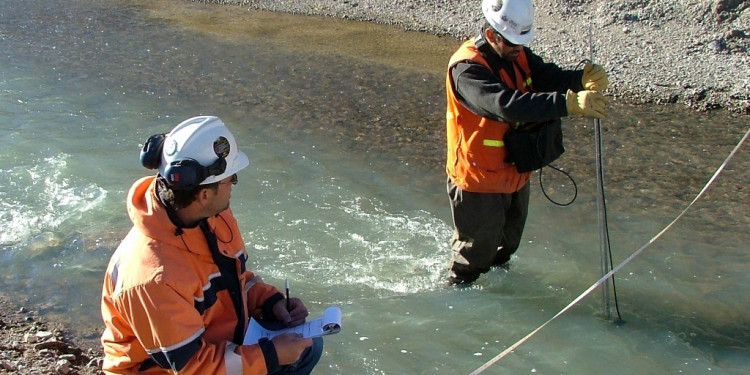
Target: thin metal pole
604,251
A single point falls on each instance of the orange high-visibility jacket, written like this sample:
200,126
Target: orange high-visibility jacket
164,302
476,151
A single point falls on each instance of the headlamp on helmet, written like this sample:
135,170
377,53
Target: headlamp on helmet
199,151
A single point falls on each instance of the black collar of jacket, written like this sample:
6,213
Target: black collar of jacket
489,54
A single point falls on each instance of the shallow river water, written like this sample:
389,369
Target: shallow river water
343,124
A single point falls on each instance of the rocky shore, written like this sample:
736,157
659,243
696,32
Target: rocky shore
690,52
31,346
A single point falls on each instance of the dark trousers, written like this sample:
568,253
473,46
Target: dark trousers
307,361
487,229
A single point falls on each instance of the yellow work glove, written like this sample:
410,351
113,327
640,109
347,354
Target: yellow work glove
594,78
586,103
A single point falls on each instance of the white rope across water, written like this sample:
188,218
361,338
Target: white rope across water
619,266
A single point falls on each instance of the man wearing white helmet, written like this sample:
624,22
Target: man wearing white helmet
504,105
176,295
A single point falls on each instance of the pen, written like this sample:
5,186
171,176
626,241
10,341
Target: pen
288,307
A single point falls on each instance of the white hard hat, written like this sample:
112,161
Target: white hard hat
205,141
513,19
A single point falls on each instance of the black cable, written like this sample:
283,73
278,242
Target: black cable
575,187
231,232
612,266
543,158
605,224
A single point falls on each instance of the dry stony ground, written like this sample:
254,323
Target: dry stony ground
691,52
31,346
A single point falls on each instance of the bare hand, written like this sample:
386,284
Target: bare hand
289,347
295,316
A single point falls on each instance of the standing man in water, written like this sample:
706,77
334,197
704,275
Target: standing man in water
495,83
176,295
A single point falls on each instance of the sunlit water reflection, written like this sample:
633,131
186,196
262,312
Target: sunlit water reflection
345,193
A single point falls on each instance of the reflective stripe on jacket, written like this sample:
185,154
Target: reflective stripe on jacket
164,303
476,152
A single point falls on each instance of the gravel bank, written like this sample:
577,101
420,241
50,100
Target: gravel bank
692,52
32,346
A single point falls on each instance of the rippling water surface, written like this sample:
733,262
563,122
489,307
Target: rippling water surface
343,123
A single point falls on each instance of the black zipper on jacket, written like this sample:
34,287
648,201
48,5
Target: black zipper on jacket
228,269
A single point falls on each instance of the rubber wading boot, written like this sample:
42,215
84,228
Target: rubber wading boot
460,280
501,260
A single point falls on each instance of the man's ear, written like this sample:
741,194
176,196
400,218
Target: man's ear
489,34
203,196
490,37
